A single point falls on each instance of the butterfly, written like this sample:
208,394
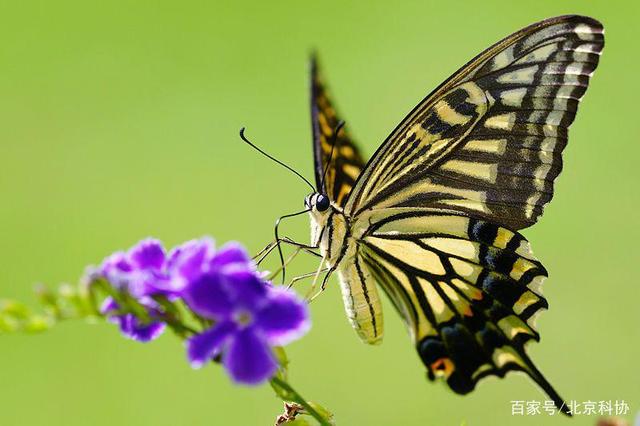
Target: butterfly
432,219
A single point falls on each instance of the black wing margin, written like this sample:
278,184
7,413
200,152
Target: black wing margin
342,162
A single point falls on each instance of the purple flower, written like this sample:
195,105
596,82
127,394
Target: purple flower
190,260
130,325
250,316
142,273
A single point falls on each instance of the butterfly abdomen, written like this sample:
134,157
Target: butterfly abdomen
359,292
361,301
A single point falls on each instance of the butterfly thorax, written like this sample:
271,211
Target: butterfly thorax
334,233
329,228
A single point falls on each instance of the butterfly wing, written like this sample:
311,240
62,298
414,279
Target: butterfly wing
488,141
468,290
341,160
436,207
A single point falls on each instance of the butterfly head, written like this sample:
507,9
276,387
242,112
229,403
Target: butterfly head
317,202
318,205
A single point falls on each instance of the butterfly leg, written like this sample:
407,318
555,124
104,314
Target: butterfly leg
262,254
286,262
309,296
305,247
259,257
323,286
304,276
289,259
326,279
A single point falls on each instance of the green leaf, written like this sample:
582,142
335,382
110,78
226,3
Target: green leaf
8,324
281,356
300,421
14,309
282,392
326,414
74,301
283,361
38,323
168,307
46,297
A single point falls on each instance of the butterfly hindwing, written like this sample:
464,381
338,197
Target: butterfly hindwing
488,141
341,160
469,291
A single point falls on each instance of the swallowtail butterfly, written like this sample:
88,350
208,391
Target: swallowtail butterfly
432,219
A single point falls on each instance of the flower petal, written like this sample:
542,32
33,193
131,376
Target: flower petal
203,347
188,261
117,263
230,253
249,359
147,254
134,329
153,282
209,296
108,305
250,291
284,318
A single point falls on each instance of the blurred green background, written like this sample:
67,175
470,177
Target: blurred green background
119,120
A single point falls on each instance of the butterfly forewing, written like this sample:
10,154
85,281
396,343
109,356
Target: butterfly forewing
488,141
338,155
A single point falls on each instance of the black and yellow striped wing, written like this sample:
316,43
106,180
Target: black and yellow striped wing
337,155
440,201
468,291
488,141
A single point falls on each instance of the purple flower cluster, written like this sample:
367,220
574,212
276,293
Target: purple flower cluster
248,314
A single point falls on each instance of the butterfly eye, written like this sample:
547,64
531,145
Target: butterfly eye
322,203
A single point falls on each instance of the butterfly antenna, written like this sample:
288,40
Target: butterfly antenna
252,145
339,127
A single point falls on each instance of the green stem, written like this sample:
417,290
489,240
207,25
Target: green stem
300,400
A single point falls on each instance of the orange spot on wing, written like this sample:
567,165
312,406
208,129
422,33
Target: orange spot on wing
442,367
